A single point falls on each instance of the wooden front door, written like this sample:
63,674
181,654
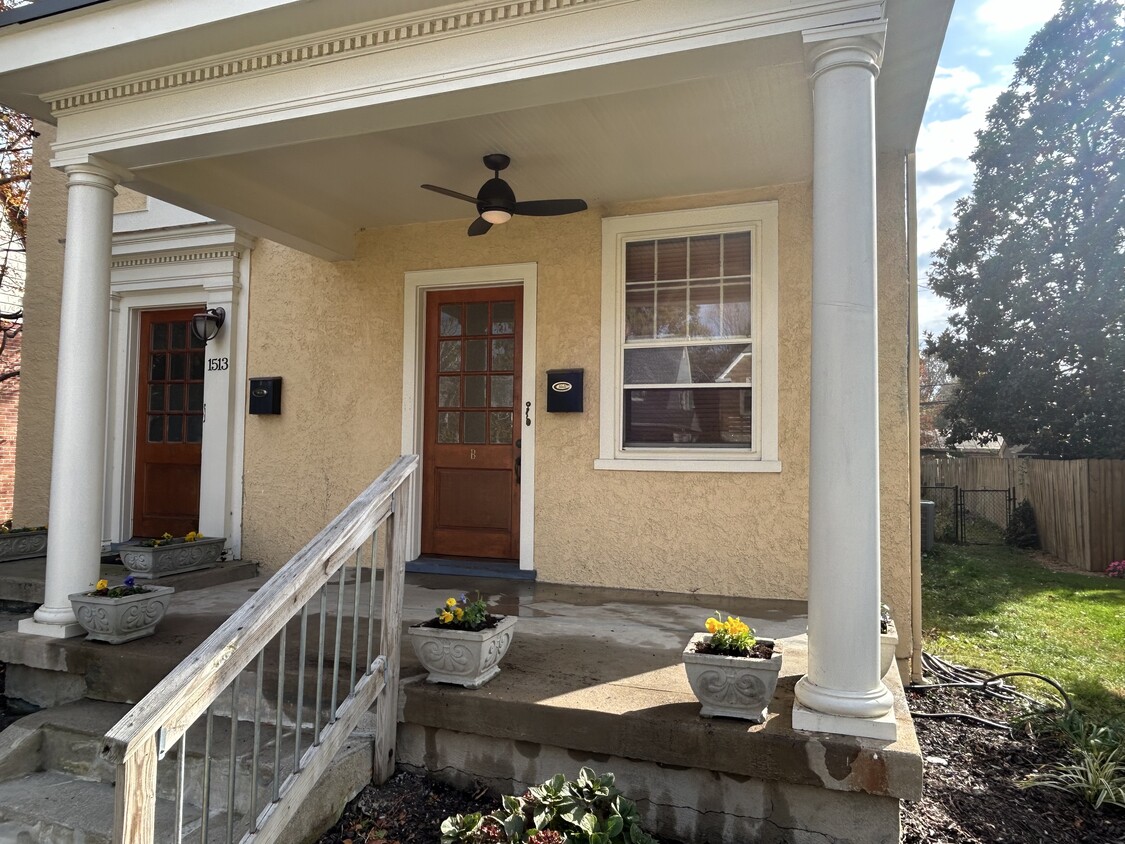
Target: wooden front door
169,425
472,421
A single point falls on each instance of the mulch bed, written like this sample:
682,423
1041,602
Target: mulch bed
971,796
970,791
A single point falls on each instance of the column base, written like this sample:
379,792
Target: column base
882,727
32,627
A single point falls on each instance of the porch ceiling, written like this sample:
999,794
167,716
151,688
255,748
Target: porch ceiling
310,151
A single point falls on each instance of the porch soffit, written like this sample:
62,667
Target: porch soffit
671,104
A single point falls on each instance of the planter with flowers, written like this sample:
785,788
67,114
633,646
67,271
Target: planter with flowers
464,643
123,613
153,558
733,674
21,543
888,640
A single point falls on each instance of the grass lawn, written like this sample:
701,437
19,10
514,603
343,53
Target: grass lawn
995,608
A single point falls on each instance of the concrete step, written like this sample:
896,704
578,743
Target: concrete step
21,581
56,787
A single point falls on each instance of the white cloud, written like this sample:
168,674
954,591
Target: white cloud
1006,16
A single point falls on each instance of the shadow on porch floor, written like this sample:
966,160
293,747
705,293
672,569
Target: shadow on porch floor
593,677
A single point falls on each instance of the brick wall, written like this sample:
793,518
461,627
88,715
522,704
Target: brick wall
9,413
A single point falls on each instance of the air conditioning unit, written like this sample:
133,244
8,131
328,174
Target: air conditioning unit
929,513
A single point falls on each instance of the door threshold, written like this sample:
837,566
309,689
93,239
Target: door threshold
470,567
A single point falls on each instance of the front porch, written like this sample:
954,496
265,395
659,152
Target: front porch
593,678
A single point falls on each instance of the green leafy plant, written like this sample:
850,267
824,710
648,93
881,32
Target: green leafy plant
462,614
129,586
732,637
168,539
1021,530
6,527
1096,770
884,618
586,810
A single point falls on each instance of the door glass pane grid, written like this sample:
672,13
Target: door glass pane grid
477,372
175,372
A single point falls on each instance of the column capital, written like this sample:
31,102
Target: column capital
854,45
93,171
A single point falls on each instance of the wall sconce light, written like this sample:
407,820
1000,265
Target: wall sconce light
206,326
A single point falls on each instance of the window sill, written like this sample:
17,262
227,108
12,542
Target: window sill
691,464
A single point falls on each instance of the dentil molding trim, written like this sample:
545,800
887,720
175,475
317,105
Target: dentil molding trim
385,35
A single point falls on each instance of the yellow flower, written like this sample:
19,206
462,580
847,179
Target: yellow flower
191,536
102,584
446,617
166,536
451,602
712,624
459,613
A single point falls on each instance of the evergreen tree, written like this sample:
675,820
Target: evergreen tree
1035,263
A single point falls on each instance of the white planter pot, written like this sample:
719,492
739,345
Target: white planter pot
888,644
21,544
731,686
462,657
117,620
147,563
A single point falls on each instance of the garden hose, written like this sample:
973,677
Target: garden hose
960,677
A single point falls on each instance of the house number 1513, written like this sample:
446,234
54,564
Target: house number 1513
217,364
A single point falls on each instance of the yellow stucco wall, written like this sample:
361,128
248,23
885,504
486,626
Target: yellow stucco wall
334,332
46,219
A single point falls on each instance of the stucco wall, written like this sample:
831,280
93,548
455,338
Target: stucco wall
46,221
334,332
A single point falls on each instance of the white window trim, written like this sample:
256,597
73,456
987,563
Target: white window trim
760,218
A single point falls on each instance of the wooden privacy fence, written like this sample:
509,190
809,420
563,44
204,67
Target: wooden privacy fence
1079,504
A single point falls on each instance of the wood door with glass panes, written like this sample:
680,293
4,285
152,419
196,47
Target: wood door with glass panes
169,425
471,423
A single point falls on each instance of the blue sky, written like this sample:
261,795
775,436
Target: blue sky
985,38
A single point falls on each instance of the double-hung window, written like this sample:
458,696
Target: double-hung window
689,340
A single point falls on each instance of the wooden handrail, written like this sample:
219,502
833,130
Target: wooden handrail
165,713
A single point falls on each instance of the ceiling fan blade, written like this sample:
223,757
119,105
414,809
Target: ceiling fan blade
451,193
549,207
479,226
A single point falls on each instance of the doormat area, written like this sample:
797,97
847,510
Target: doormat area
468,567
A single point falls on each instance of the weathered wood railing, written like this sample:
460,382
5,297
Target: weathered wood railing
254,641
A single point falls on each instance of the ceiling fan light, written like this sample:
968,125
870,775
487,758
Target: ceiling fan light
496,216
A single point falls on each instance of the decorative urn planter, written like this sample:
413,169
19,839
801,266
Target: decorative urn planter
888,644
117,620
171,557
468,658
732,686
21,544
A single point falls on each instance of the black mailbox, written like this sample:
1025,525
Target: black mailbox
265,395
564,390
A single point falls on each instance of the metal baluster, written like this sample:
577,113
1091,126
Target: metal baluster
181,758
206,802
277,716
320,663
231,767
257,742
301,688
339,635
355,621
371,604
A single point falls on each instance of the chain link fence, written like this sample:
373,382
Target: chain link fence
970,516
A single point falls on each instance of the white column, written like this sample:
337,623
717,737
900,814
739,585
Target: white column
78,461
843,692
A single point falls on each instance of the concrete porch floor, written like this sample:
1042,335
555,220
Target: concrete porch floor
594,678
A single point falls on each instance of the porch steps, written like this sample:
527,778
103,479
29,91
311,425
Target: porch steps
21,581
56,788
